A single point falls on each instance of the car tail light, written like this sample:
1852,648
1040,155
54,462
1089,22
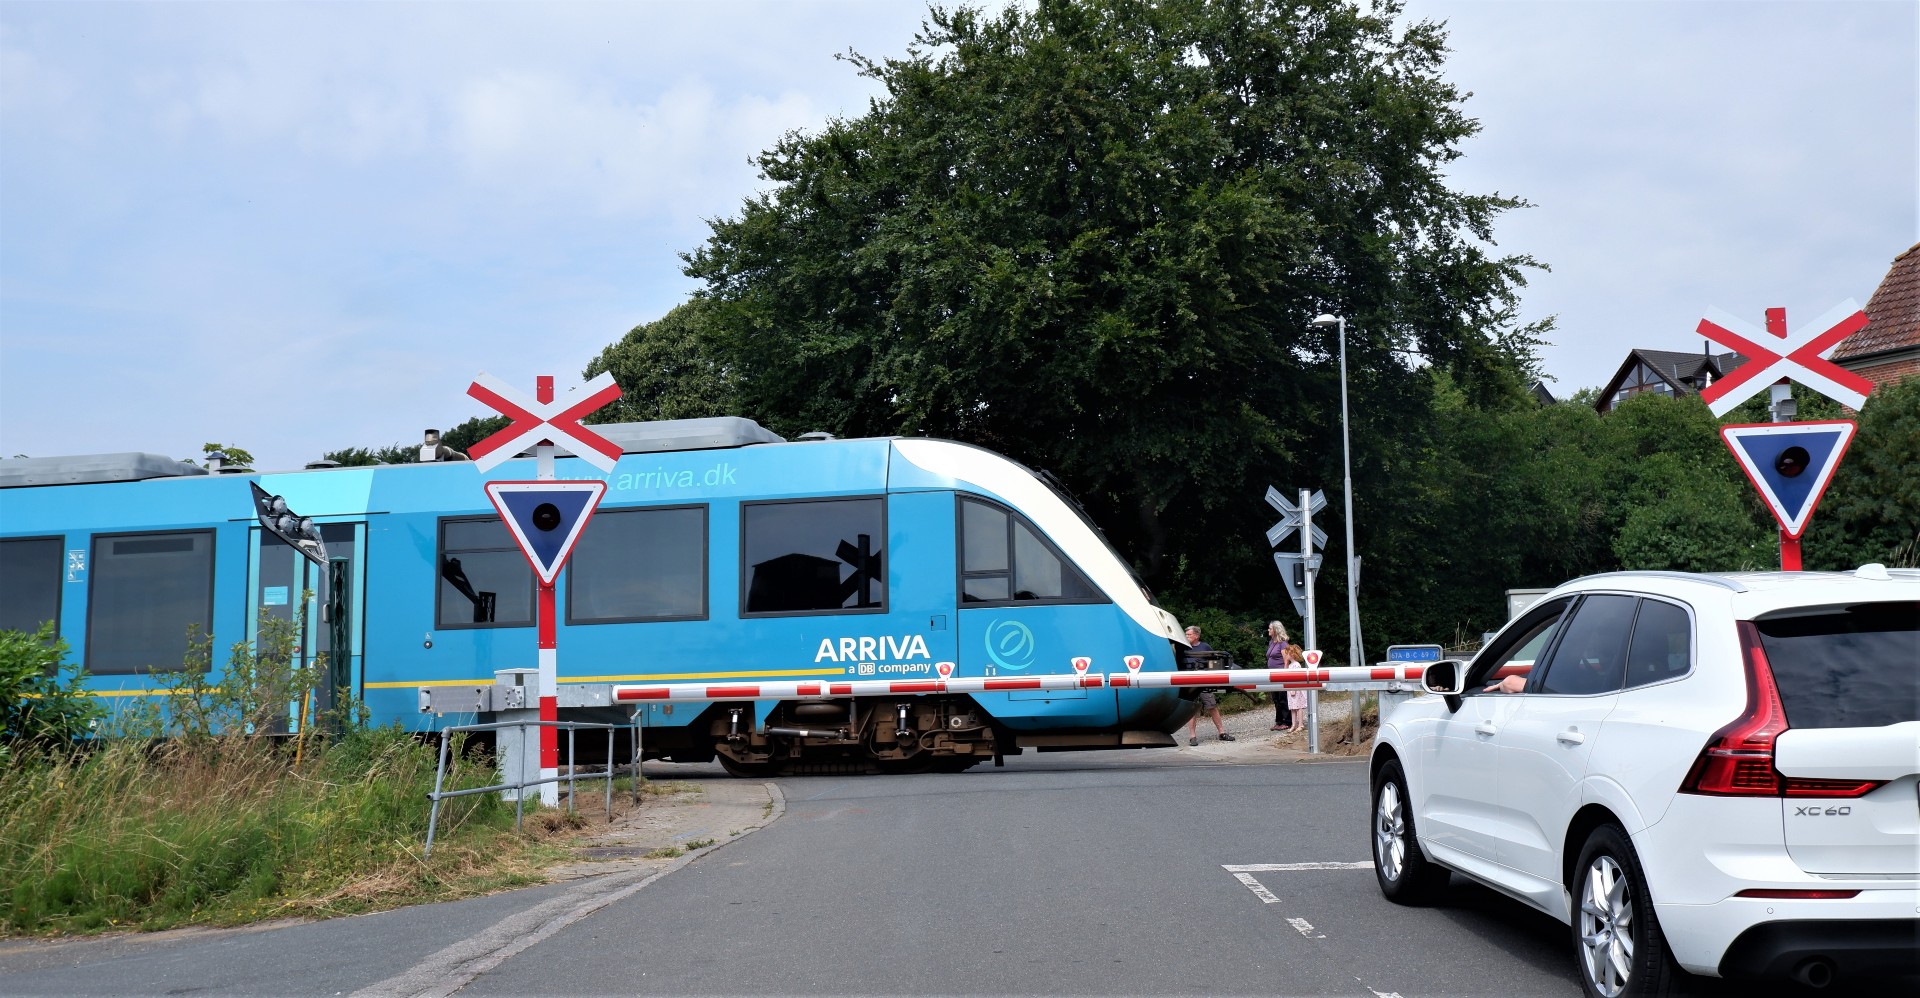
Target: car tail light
1794,786
1796,895
1738,759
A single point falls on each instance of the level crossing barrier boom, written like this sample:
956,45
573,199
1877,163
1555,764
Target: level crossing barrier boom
1387,675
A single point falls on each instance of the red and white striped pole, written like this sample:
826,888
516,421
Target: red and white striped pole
549,690
549,644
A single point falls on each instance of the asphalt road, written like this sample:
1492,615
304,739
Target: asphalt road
1092,873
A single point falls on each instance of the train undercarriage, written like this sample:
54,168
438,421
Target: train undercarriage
923,734
941,734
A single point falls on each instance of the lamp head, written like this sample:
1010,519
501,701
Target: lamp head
1325,320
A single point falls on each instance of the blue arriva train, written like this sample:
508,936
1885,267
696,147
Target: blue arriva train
720,552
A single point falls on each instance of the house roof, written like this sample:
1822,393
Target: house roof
1675,367
1893,313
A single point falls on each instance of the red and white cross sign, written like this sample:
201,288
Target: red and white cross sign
1799,355
543,420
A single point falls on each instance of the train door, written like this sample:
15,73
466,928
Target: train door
1025,610
921,582
283,582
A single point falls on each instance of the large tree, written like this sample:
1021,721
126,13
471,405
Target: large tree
1093,235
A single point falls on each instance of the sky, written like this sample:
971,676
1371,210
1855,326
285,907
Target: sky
297,228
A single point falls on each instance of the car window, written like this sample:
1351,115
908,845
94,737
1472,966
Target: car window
1846,666
1514,652
1590,657
1662,645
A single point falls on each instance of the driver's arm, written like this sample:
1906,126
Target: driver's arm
1511,684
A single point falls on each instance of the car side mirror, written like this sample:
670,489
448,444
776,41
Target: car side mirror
1446,678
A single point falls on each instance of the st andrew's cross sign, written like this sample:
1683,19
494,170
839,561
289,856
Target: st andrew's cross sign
1790,464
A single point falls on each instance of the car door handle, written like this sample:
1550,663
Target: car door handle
1486,728
1571,736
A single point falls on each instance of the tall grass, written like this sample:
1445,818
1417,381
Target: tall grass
149,834
229,830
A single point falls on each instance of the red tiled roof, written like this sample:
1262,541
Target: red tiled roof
1893,313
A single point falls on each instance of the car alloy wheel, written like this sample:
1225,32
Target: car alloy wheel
1404,873
1606,926
1617,940
1390,832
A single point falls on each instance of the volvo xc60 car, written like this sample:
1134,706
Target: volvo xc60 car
1713,774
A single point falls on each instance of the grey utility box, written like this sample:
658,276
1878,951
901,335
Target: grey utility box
516,697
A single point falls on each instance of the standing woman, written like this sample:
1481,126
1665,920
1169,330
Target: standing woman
1277,659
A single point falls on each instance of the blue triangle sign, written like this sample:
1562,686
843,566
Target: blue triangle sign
1790,463
546,518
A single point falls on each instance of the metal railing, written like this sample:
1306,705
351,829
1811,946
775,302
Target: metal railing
573,774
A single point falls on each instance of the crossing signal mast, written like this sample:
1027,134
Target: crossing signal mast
1298,572
546,515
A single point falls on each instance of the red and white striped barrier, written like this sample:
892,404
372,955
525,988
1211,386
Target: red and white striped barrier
681,692
1279,678
1250,679
1289,679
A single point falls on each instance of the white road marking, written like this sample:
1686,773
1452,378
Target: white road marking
1259,890
1385,994
1305,928
1279,867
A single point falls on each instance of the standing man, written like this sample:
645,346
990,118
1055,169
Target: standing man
1208,701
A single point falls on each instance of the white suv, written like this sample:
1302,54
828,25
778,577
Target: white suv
1717,772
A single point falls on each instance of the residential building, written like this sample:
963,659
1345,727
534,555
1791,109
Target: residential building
1665,372
1887,349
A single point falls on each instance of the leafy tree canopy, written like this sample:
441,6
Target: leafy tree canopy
667,369
1094,235
231,456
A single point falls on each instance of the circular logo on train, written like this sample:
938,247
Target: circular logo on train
1010,645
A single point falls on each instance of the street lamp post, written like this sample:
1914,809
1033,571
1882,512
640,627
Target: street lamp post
1355,652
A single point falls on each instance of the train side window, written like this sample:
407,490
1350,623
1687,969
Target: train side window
145,592
639,564
813,556
1003,559
30,575
484,579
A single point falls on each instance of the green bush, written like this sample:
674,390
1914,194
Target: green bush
36,705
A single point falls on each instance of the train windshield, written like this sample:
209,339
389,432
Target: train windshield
1060,489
